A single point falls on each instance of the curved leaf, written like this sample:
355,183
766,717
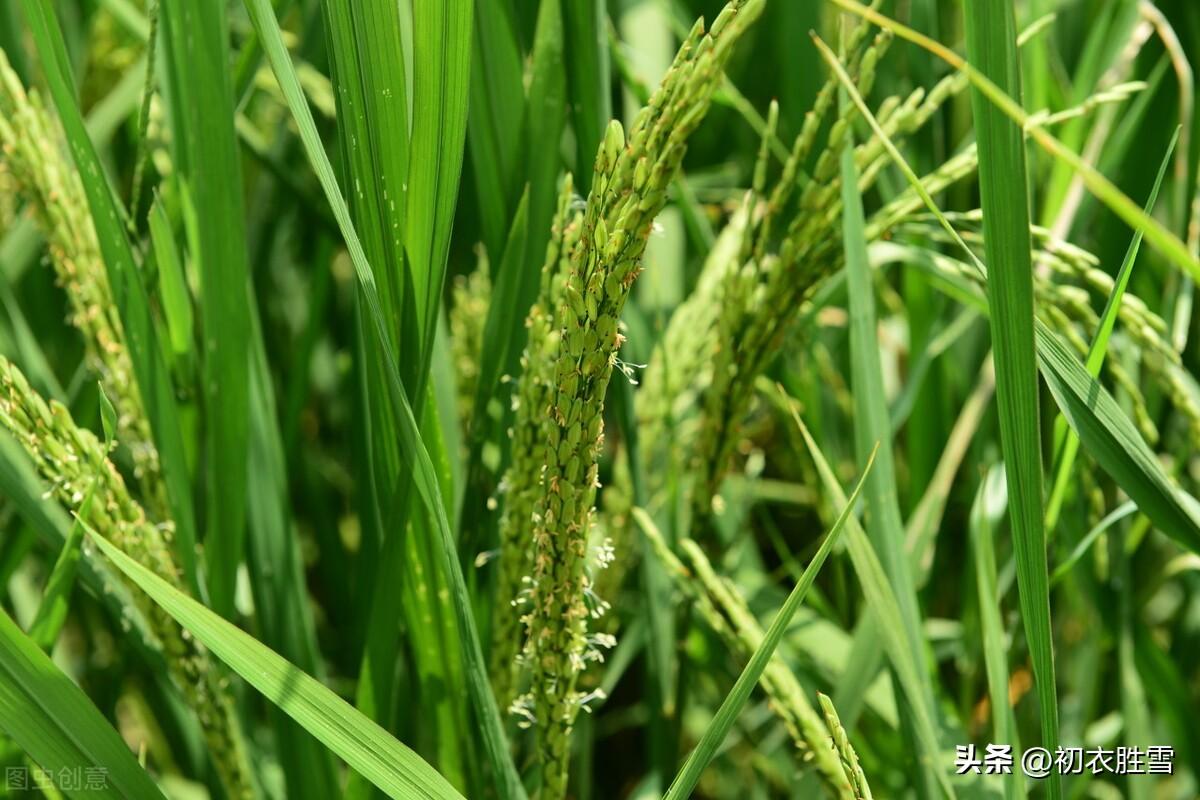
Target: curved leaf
56,724
364,745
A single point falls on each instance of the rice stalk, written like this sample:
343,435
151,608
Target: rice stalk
628,189
72,460
34,152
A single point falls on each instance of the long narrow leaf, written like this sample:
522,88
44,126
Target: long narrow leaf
52,611
986,512
1111,438
873,428
881,601
1065,442
441,81
685,782
425,478
364,745
198,51
1004,191
53,721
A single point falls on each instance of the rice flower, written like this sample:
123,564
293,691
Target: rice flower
70,459
34,152
629,188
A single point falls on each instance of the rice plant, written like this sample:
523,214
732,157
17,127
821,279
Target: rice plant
570,399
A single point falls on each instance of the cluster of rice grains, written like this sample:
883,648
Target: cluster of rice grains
574,338
752,289
36,162
1067,280
70,458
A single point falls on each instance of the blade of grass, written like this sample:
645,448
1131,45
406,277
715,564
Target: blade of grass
441,79
416,456
12,41
689,775
1112,439
494,123
281,604
1004,194
1116,515
1135,713
925,521
881,601
197,49
172,286
504,316
52,611
590,81
1066,443
545,118
53,721
372,90
873,430
365,746
126,282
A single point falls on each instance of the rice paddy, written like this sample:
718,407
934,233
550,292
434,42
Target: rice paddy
547,399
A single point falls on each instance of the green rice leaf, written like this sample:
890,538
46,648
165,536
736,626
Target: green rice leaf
1110,437
415,454
365,746
545,118
1004,192
56,599
441,81
986,513
1065,442
873,429
495,120
172,287
1119,513
55,723
689,775
281,602
885,608
197,50
590,77
372,89
504,317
